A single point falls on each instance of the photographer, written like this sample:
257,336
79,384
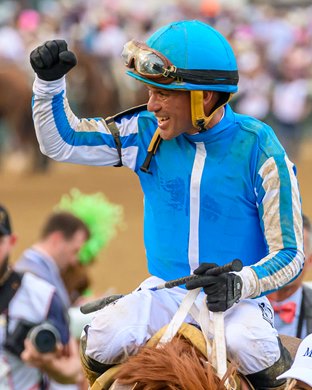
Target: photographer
31,310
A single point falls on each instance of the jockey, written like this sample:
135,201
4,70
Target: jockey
217,186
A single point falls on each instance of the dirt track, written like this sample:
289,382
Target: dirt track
122,264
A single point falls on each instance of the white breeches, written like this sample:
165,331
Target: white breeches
120,328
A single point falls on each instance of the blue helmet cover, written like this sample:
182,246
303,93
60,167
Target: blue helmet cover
192,44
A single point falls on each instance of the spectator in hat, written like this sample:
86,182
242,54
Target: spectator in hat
299,376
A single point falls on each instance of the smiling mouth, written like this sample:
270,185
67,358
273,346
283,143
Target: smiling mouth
162,121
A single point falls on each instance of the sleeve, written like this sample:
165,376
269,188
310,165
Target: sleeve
280,215
64,137
57,316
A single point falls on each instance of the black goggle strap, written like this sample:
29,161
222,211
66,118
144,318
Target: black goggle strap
112,127
110,121
199,119
198,76
151,150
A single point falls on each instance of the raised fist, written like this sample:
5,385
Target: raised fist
52,60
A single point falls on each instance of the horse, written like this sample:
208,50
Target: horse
98,86
180,356
15,113
180,364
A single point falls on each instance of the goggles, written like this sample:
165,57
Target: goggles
153,65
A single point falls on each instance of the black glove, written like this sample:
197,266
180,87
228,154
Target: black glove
222,290
52,60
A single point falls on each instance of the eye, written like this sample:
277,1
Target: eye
158,93
163,94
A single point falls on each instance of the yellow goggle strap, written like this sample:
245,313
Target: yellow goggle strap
152,147
199,119
151,150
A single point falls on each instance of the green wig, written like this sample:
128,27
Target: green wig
102,218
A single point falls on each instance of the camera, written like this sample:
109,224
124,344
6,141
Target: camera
44,337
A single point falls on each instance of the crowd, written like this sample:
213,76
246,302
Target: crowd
272,46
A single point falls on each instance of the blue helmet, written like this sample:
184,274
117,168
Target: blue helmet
203,58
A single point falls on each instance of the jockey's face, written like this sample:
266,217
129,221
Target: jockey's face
172,110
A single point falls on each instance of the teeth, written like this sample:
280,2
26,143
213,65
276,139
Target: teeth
163,119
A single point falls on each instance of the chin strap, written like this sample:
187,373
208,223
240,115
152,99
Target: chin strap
199,119
152,149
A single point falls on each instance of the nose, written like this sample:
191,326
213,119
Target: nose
153,104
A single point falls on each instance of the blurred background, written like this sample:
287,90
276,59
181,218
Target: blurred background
271,39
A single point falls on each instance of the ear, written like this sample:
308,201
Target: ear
55,238
207,96
210,99
13,239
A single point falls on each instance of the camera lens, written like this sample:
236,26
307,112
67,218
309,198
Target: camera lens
44,337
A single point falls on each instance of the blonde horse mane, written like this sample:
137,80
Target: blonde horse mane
176,365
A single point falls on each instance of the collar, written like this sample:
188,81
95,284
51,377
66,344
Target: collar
226,122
